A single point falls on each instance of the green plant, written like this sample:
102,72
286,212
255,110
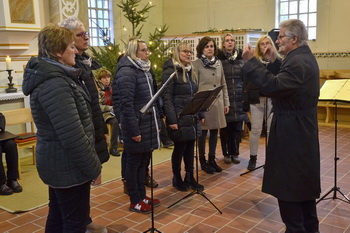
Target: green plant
107,55
135,17
159,51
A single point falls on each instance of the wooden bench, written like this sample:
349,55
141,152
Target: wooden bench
22,116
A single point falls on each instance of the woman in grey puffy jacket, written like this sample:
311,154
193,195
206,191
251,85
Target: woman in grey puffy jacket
66,157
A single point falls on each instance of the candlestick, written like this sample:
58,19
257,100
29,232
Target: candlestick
11,89
8,63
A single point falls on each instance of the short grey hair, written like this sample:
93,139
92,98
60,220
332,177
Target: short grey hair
295,27
72,23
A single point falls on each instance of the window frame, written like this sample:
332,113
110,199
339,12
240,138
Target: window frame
100,12
309,17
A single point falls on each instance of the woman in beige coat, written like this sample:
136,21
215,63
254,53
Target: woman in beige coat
210,75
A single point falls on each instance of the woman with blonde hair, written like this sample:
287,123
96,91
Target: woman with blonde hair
177,94
230,136
133,87
260,106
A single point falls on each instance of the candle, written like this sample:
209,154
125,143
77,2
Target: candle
8,63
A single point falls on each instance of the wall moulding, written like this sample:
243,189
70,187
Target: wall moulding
19,23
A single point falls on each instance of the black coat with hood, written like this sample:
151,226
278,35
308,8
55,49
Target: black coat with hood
234,83
65,152
133,88
176,96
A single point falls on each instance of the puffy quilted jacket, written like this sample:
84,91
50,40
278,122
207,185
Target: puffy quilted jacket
65,153
132,89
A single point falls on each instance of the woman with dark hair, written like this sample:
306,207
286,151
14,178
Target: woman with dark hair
230,136
66,157
210,75
133,88
181,129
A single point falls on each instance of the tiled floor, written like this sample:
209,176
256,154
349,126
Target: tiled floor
244,207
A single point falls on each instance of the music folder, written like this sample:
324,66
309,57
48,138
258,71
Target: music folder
335,90
201,101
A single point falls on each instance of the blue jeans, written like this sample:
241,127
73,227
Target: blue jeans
135,170
69,209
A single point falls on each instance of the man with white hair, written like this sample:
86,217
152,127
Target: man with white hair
292,167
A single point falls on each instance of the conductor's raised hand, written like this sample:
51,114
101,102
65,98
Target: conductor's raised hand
248,53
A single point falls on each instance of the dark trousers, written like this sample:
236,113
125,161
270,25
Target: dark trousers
299,217
123,164
69,209
213,139
163,134
9,147
230,138
135,170
183,150
115,132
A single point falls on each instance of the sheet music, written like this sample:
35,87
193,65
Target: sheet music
335,90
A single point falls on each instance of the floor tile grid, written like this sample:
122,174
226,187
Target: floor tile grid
245,208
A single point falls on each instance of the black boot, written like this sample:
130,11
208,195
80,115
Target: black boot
191,182
252,162
178,183
205,166
213,164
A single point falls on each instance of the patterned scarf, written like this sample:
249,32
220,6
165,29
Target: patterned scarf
230,56
264,61
188,67
144,65
207,62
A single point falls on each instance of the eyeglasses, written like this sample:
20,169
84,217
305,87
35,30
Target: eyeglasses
82,34
279,37
186,51
144,50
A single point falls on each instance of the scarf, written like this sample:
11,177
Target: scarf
230,56
207,62
144,65
264,61
188,67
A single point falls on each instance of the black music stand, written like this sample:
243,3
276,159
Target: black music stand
145,110
201,102
336,91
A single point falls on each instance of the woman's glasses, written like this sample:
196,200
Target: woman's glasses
82,34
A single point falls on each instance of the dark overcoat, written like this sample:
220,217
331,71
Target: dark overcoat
97,118
292,168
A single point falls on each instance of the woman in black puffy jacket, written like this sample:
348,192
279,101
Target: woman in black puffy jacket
232,62
133,88
181,129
